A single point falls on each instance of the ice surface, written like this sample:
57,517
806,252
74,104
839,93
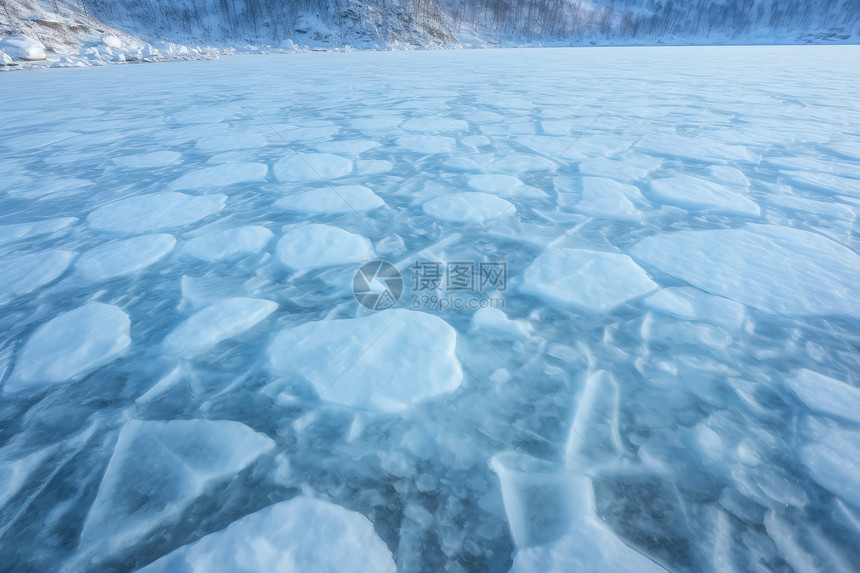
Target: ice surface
693,304
823,394
311,167
70,346
150,160
302,534
221,176
385,362
22,275
694,193
336,199
590,280
474,208
123,257
608,198
313,246
216,323
775,269
832,458
20,231
229,243
707,364
154,212
553,523
157,470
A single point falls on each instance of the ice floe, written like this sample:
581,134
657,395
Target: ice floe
313,246
216,323
154,212
312,167
24,274
302,534
475,208
589,280
157,470
690,192
228,243
775,269
826,395
123,257
222,176
70,346
385,362
336,199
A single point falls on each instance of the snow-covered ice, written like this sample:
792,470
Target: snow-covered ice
667,379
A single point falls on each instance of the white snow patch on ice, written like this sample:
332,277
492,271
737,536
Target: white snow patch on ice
385,362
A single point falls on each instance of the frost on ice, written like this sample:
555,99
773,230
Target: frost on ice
71,346
301,534
385,362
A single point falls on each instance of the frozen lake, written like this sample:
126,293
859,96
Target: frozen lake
626,334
